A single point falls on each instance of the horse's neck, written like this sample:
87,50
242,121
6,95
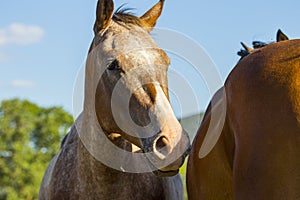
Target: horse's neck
95,180
91,171
102,180
92,174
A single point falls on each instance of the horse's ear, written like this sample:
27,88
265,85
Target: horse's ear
104,12
281,36
248,49
151,16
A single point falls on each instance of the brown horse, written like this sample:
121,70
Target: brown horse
258,153
127,128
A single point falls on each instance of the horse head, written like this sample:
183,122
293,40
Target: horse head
127,74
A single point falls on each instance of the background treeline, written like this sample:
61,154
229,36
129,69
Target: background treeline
29,137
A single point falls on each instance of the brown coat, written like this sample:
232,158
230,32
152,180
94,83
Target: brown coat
258,153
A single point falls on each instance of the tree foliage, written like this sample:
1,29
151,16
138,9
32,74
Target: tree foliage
29,137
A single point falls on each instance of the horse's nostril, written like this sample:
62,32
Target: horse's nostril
161,143
162,147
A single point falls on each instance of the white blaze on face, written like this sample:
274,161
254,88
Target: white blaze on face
147,57
163,112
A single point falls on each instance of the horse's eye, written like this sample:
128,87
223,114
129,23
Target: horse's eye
114,65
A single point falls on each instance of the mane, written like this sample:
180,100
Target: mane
125,16
247,50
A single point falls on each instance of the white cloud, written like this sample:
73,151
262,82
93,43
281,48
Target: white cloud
18,84
21,34
22,84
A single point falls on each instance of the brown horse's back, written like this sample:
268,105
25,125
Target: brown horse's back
262,129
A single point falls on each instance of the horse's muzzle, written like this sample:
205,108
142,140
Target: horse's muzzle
167,156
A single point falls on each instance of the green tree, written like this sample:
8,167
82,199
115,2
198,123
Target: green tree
29,137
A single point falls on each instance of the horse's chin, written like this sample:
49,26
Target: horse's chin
160,173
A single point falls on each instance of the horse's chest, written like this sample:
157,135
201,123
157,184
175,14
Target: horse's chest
125,187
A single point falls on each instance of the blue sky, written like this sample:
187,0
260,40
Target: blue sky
44,43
